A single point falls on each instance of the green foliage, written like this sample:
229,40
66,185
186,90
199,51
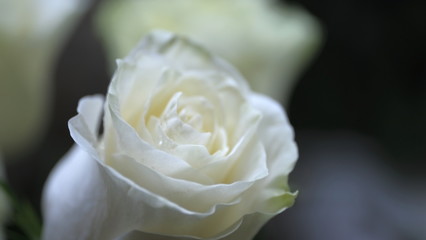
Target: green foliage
24,223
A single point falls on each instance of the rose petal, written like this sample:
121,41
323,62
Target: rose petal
206,196
116,206
84,126
276,134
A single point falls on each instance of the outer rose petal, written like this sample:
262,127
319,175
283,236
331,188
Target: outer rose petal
248,229
277,136
63,196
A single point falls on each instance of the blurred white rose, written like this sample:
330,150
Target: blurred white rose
187,152
268,42
31,34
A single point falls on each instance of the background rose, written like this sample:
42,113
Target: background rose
270,43
187,151
31,34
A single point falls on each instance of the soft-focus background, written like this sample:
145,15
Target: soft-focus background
359,112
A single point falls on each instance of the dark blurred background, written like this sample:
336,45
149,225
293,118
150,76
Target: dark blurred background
359,113
370,76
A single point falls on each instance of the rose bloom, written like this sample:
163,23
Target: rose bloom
188,151
269,42
32,33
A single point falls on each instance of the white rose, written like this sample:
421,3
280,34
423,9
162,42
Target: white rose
187,152
270,43
31,34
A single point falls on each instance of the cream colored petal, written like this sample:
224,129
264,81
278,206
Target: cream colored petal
85,200
176,52
127,140
249,227
277,137
165,193
73,199
167,175
84,127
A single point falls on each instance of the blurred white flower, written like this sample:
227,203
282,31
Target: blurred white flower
188,151
268,42
31,35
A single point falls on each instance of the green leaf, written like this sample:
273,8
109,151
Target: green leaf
24,223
